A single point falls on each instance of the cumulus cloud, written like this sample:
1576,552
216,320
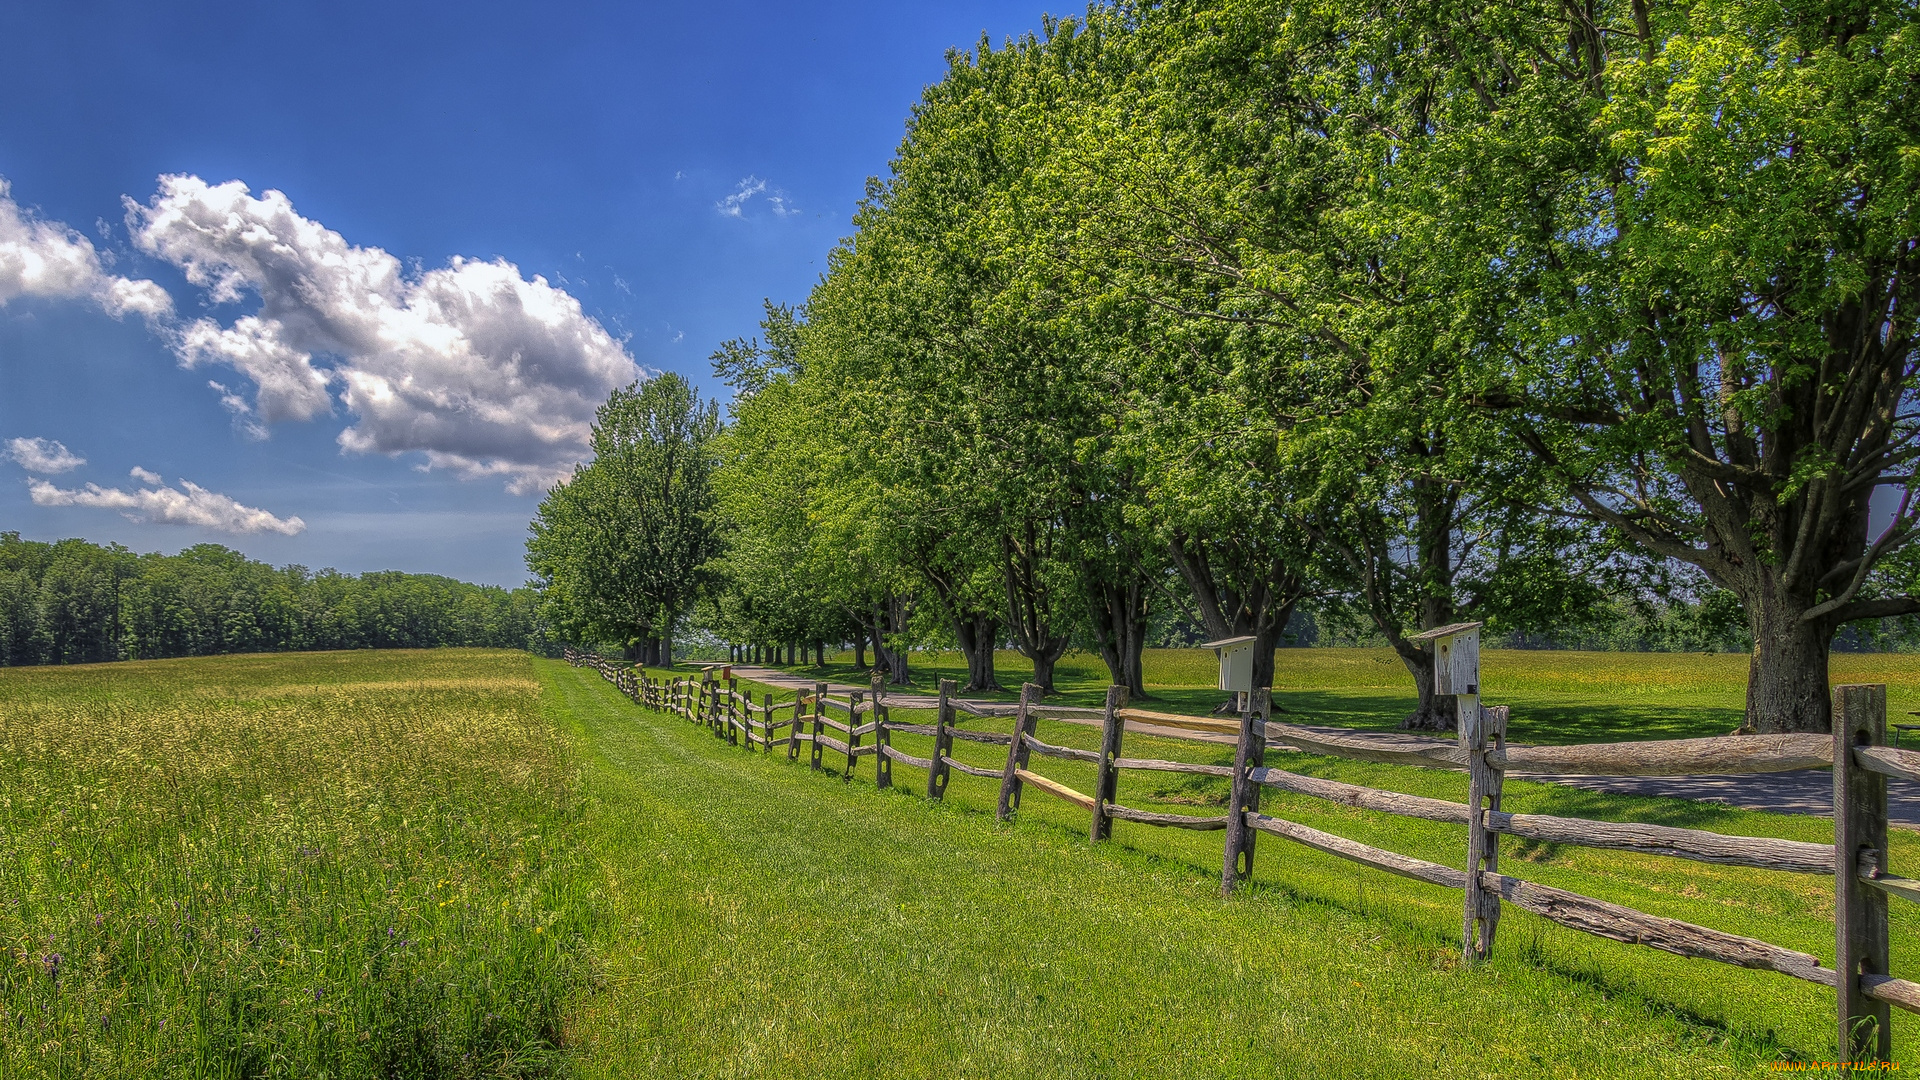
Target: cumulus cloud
735,205
48,259
188,504
43,455
481,370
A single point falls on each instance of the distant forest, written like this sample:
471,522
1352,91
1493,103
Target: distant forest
75,602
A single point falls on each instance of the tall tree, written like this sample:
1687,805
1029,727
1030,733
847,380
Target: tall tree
622,549
1706,215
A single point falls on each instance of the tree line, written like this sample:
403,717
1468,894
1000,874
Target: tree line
1410,313
75,602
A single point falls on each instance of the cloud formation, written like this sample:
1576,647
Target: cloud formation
188,504
42,455
48,259
481,370
735,205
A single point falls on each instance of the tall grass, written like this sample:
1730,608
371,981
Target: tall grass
348,864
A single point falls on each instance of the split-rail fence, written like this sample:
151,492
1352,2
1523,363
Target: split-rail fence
1856,753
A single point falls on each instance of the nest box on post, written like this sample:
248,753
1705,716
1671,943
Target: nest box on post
1456,658
1235,655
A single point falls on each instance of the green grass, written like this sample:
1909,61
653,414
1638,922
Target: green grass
874,911
1556,697
216,850
344,864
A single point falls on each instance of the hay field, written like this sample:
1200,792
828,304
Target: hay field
345,864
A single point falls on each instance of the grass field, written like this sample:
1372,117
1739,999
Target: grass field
474,864
1557,697
349,864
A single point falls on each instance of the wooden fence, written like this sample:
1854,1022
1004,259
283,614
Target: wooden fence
1856,753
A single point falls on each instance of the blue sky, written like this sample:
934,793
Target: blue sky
488,215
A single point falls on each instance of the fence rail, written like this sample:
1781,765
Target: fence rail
1856,753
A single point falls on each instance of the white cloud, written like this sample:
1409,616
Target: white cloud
188,504
48,259
734,204
42,455
146,476
479,369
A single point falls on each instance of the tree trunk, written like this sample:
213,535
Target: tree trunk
1120,628
1266,636
666,641
977,634
1787,676
1434,713
860,650
819,653
891,616
1028,607
1043,661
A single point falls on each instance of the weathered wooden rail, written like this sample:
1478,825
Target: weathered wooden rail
1856,752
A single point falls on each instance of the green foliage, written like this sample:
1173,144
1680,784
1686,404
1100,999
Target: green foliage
619,551
74,602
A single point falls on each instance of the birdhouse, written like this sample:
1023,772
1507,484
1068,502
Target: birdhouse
1456,657
1235,655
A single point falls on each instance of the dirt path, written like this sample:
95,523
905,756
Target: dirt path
1808,792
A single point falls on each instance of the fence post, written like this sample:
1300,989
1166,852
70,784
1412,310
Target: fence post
1496,718
882,739
1249,753
1480,911
942,743
735,714
793,730
1859,835
1023,725
1107,785
853,721
853,741
819,721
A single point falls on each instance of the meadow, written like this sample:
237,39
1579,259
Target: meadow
344,864
1556,697
463,863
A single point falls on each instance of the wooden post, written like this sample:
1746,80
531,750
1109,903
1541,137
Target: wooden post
1249,753
1024,722
732,711
1859,835
1496,728
1107,786
853,741
819,720
793,732
938,774
766,720
882,739
1480,911
853,721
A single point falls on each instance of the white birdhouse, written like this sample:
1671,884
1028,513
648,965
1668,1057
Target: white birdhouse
1236,662
1456,658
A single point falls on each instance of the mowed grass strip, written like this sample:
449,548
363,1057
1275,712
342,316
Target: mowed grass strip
1556,697
334,864
767,920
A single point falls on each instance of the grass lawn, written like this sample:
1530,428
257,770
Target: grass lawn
216,850
1556,697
